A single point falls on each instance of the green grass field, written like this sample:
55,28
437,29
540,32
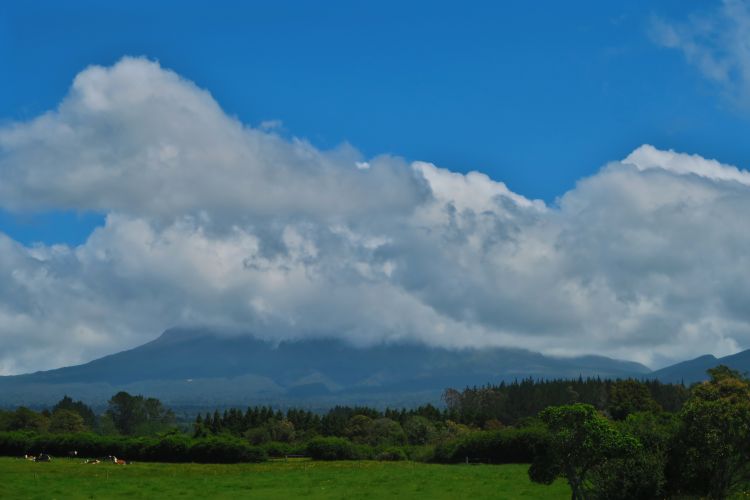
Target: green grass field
66,478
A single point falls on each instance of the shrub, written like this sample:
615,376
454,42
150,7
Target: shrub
364,452
392,454
258,435
508,445
168,449
331,448
171,448
419,430
15,443
424,453
280,450
639,476
385,431
358,428
223,450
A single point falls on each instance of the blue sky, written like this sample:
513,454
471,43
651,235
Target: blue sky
537,96
569,178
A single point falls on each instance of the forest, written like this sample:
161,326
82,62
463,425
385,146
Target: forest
606,438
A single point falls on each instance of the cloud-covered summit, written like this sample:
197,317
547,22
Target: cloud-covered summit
212,222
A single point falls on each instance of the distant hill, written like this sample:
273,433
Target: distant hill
694,370
187,367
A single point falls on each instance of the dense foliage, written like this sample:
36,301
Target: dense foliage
625,439
170,448
580,440
509,445
511,403
712,446
701,450
136,415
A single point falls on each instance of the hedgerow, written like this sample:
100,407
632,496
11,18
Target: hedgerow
498,447
171,448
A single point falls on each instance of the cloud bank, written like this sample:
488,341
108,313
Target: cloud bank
212,222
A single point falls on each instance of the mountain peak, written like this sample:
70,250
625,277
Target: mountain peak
186,365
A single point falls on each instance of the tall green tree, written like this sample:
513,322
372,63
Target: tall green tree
126,412
358,429
135,415
79,407
629,396
715,435
419,430
385,431
24,419
639,475
580,439
66,421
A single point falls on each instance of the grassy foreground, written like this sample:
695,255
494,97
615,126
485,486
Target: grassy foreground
65,478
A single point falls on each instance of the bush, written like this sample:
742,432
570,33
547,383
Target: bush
258,436
424,453
640,476
419,430
392,454
508,445
281,450
171,448
15,443
224,450
332,448
384,432
364,452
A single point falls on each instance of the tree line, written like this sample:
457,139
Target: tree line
125,415
510,403
701,450
608,439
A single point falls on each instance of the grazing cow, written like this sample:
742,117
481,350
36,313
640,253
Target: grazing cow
29,457
43,457
92,461
115,460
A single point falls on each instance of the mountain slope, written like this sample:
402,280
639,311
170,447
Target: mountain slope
198,367
694,370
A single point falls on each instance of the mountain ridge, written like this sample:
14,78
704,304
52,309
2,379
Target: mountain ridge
185,365
694,370
191,366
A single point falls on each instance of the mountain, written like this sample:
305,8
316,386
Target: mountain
185,367
694,370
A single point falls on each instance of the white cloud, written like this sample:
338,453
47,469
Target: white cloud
211,222
717,43
648,157
135,138
271,125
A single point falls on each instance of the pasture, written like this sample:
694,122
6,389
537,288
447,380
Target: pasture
70,478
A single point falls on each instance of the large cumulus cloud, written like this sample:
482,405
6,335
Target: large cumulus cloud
212,222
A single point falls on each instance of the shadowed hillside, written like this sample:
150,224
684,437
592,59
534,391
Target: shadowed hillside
185,366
